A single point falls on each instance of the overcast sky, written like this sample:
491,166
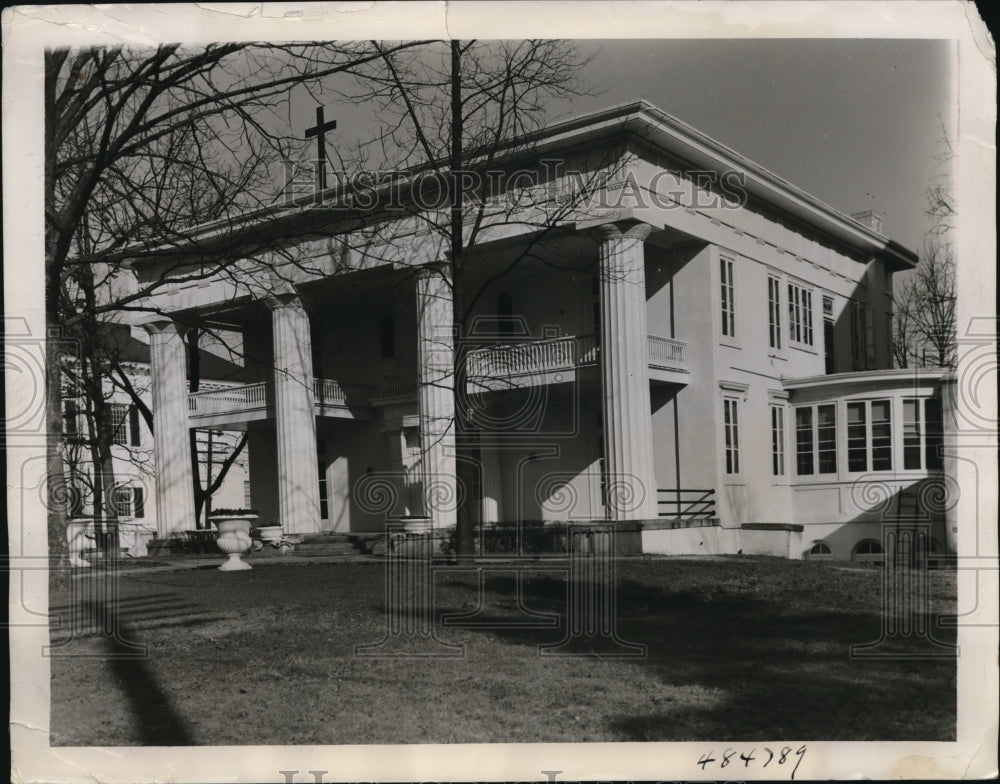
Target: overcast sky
856,123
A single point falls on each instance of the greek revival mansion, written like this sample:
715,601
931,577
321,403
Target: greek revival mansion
657,332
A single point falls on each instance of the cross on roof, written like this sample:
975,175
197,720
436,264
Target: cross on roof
319,131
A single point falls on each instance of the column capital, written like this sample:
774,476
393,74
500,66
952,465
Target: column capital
440,269
164,326
629,229
283,299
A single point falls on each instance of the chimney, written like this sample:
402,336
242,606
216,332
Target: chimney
870,218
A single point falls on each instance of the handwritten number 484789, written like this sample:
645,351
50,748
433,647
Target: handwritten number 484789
766,758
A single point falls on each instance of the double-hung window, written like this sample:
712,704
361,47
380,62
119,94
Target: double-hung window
731,427
816,439
774,312
727,297
800,315
125,424
829,336
778,440
922,433
119,423
869,435
130,502
862,336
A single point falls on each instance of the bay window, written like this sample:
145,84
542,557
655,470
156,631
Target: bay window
869,435
922,433
816,439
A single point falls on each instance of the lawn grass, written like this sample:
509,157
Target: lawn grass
743,649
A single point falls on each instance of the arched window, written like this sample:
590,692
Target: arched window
868,550
819,550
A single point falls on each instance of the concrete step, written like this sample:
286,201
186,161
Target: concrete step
307,550
327,544
326,538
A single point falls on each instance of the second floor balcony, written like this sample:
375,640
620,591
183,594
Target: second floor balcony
556,360
240,403
509,366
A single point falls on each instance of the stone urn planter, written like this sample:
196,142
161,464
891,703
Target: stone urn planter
270,536
234,539
76,539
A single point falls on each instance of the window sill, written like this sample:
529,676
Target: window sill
817,479
730,343
777,354
805,348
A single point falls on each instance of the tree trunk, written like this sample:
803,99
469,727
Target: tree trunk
463,466
192,336
55,471
54,466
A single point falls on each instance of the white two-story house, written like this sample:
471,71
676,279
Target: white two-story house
659,333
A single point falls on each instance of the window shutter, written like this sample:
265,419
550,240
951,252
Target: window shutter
135,436
138,507
71,423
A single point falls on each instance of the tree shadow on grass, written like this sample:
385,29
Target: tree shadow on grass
748,668
154,717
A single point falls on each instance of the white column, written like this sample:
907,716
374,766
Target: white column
628,443
171,444
492,511
397,467
298,467
436,401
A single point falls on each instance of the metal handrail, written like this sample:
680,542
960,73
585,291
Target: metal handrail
701,506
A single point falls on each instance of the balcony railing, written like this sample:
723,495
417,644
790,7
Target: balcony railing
666,352
532,357
260,397
562,354
231,399
337,393
403,384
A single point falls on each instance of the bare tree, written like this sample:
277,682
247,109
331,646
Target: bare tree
903,327
459,110
141,146
924,314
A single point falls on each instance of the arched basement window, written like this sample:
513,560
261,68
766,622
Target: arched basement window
820,550
868,550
